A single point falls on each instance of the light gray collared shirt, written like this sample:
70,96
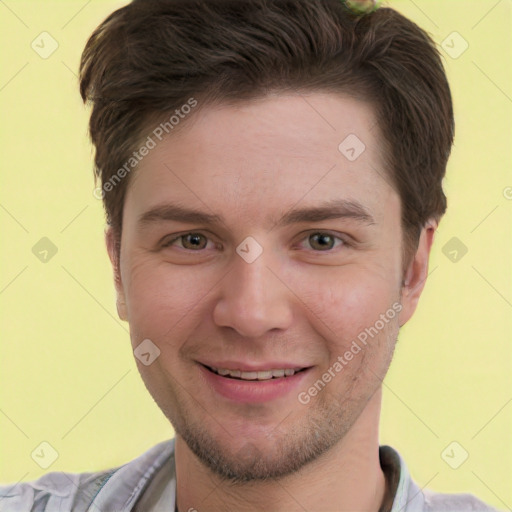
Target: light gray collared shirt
148,484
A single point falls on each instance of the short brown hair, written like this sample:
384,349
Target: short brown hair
150,57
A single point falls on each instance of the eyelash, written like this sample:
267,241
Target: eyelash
344,240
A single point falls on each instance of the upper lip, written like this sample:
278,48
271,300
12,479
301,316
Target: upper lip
251,367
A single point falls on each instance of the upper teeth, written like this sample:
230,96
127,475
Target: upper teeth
260,375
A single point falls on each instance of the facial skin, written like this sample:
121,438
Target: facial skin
303,301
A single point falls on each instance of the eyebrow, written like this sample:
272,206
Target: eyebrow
335,209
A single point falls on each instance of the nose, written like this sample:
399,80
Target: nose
253,298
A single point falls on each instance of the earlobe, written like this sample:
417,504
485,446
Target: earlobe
121,309
112,242
417,272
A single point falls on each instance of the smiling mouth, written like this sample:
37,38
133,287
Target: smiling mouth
258,376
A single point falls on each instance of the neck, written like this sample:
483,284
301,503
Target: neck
346,478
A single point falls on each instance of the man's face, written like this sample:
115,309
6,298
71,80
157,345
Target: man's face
206,300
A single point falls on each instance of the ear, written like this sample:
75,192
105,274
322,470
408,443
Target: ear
113,243
417,272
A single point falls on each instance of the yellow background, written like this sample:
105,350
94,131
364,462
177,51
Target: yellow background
68,375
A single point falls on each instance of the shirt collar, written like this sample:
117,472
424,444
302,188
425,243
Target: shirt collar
408,496
124,490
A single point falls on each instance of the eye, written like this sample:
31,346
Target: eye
190,241
322,241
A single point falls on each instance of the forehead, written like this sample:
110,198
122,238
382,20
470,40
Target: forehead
266,154
306,126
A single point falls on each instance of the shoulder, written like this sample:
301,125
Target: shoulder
55,489
463,502
409,497
78,491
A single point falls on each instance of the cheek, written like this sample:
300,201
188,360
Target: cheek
349,302
161,298
355,316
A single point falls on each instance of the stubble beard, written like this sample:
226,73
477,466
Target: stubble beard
297,440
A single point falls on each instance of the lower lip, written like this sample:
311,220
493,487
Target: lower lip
252,391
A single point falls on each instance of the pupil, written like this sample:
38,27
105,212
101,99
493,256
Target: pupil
321,239
194,239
